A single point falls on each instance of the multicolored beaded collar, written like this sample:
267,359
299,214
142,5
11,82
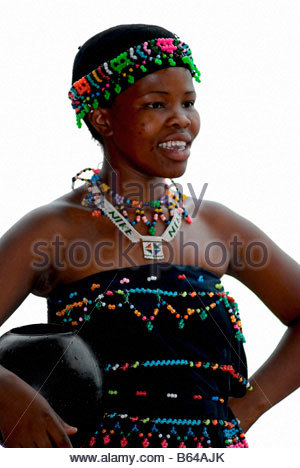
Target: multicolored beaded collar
102,85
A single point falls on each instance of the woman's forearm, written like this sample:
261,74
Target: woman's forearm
277,378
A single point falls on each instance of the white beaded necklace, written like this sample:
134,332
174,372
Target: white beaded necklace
152,245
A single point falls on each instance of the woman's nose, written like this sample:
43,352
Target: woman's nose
179,118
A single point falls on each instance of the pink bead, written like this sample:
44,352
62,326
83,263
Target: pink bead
85,309
146,443
124,442
164,443
124,280
152,317
144,317
145,48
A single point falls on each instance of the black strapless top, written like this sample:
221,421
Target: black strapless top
170,341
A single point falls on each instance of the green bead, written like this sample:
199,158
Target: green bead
184,294
143,68
130,79
95,103
149,326
172,62
152,230
118,89
106,94
120,62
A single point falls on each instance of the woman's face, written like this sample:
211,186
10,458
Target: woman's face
154,123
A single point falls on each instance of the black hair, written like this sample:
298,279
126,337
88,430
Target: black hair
107,45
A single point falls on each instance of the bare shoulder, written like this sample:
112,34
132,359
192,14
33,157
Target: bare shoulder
35,229
217,216
257,261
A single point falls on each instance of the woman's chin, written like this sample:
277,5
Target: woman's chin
175,169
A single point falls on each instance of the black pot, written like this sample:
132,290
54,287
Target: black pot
61,366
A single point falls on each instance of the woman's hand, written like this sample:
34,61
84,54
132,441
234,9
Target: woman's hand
27,419
246,409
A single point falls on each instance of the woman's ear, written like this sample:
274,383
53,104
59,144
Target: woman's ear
100,120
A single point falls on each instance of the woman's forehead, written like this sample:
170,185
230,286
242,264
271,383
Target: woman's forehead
167,79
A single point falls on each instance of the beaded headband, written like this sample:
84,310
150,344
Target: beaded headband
102,85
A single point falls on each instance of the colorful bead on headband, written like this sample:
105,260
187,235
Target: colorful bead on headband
104,83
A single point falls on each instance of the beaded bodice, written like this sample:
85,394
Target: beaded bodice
168,336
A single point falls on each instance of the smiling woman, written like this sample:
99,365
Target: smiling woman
162,126
168,336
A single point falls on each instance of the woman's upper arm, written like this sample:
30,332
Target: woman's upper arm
263,266
18,275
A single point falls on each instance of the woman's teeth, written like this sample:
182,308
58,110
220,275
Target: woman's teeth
179,145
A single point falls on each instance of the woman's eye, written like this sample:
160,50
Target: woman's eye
154,105
189,103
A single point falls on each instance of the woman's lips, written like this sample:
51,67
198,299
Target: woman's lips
176,154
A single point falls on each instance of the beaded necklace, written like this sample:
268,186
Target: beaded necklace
152,246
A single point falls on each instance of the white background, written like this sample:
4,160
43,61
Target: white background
247,150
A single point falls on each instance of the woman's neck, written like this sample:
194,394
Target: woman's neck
132,184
